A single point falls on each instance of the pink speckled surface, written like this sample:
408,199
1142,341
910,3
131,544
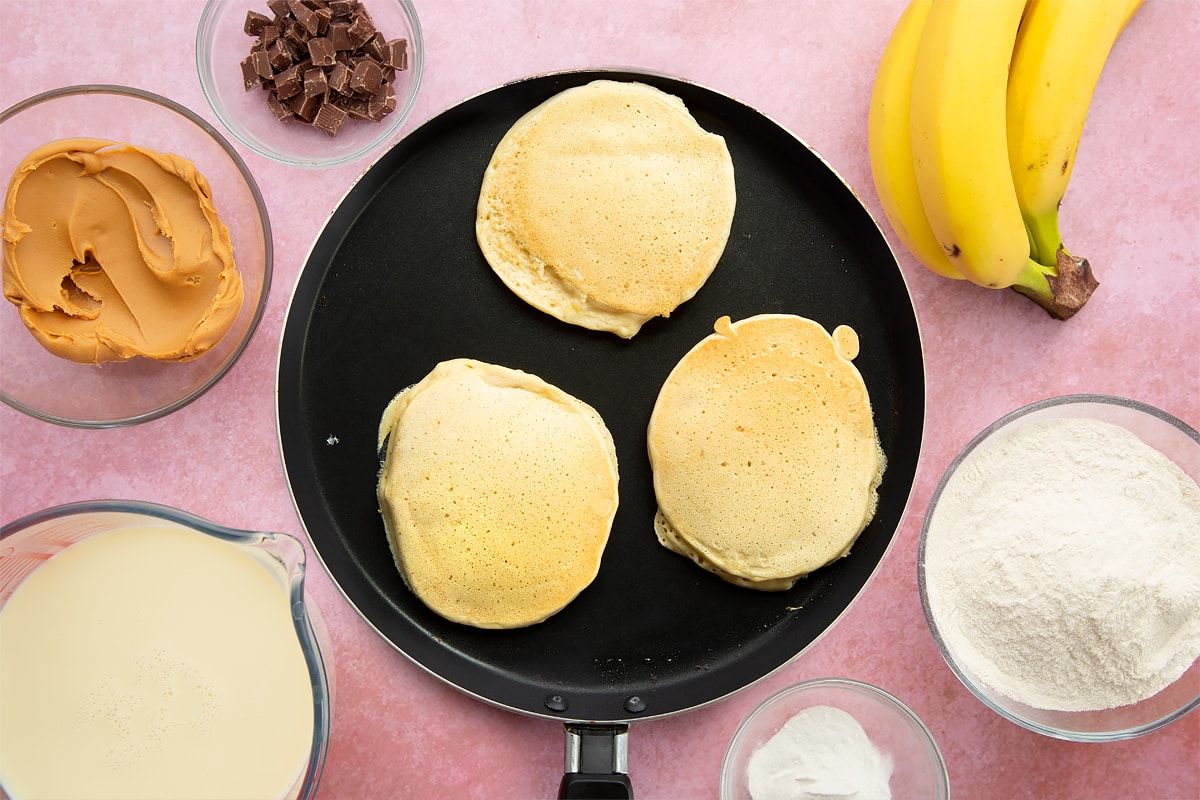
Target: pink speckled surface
1133,209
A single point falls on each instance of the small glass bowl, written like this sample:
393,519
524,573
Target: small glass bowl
918,769
116,394
222,43
1160,430
27,543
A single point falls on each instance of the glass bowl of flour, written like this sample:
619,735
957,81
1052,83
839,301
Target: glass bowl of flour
1059,567
830,738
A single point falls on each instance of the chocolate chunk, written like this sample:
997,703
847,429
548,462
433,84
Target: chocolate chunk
373,47
250,75
277,107
322,52
339,34
361,29
262,64
279,8
315,83
395,53
324,16
329,119
280,56
382,103
269,35
339,79
255,22
288,83
341,8
305,16
304,107
367,77
356,108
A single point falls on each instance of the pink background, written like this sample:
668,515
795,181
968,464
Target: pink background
1133,209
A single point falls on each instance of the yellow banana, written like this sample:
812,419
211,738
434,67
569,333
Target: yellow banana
889,142
1061,48
959,141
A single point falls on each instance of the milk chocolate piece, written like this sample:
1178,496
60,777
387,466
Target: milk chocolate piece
306,107
269,35
381,103
304,15
361,29
339,34
277,107
329,119
324,16
279,8
322,52
356,107
280,57
288,83
251,77
315,83
262,64
367,77
339,78
255,22
395,53
373,47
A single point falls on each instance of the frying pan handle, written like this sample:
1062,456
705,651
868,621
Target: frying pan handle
596,761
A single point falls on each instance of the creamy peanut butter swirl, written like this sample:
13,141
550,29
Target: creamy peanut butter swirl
113,251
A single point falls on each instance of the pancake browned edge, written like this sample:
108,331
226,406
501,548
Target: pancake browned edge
765,455
606,206
498,492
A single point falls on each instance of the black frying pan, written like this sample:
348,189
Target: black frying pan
396,283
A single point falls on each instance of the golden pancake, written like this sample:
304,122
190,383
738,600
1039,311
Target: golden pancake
765,455
606,206
498,492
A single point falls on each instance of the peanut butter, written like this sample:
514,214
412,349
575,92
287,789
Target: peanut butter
113,251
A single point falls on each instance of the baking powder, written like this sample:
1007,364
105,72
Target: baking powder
822,753
1062,565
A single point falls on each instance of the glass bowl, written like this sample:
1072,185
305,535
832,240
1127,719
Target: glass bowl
222,44
918,769
116,394
28,543
1154,427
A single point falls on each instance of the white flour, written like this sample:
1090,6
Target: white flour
1063,566
822,753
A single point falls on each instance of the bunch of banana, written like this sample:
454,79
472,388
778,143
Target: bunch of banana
975,118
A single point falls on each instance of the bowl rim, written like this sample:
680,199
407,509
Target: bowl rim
980,692
268,253
204,71
862,689
305,615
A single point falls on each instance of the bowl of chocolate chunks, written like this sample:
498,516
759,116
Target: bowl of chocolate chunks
312,83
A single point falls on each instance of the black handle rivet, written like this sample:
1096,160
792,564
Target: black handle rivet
635,705
556,702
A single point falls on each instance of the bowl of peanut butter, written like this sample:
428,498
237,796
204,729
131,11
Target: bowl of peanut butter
137,256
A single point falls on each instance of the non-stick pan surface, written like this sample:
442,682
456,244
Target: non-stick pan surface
396,283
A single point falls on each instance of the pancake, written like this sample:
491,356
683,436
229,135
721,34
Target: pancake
606,206
498,492
765,456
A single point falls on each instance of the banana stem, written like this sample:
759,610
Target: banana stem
1061,289
1044,238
